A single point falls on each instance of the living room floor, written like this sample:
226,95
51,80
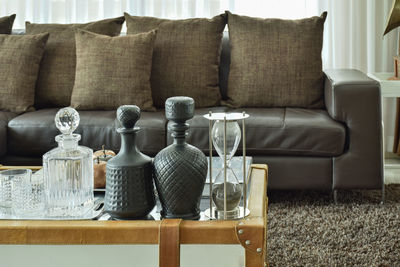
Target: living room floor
305,228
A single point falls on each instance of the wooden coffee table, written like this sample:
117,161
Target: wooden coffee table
135,243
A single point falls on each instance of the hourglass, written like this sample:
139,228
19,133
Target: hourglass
226,190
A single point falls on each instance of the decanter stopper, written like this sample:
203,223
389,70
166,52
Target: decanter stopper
179,108
67,120
128,115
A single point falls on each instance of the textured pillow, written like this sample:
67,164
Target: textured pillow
186,57
20,58
275,62
57,70
113,71
6,24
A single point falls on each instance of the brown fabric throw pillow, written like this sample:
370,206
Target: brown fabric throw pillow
57,70
113,71
20,57
186,57
6,24
275,62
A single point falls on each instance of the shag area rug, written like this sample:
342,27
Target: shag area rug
305,228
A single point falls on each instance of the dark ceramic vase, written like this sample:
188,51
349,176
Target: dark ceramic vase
180,169
129,183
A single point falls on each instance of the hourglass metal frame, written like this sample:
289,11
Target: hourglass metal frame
227,117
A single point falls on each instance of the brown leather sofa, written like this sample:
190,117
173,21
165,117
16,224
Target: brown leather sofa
334,148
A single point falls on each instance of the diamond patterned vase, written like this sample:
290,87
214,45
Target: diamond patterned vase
129,183
180,169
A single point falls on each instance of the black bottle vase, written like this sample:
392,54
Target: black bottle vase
180,169
129,182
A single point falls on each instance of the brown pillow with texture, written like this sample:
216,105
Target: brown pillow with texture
275,62
6,24
186,57
112,71
20,57
57,70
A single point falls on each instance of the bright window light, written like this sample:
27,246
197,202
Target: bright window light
70,11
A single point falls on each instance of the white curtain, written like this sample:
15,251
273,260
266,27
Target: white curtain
354,35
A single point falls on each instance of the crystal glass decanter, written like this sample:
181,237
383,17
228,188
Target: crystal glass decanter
233,188
68,170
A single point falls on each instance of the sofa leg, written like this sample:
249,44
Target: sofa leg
335,196
383,195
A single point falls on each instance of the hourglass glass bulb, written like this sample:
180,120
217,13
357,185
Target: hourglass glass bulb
233,135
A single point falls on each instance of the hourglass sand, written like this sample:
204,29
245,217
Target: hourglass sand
226,190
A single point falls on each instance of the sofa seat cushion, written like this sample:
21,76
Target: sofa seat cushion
280,131
32,134
5,117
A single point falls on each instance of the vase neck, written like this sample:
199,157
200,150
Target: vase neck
128,143
66,141
179,131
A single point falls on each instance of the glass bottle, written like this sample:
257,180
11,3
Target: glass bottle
68,170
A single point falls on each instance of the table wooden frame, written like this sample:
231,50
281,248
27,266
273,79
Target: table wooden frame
251,232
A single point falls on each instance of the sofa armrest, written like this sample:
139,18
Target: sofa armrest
354,99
